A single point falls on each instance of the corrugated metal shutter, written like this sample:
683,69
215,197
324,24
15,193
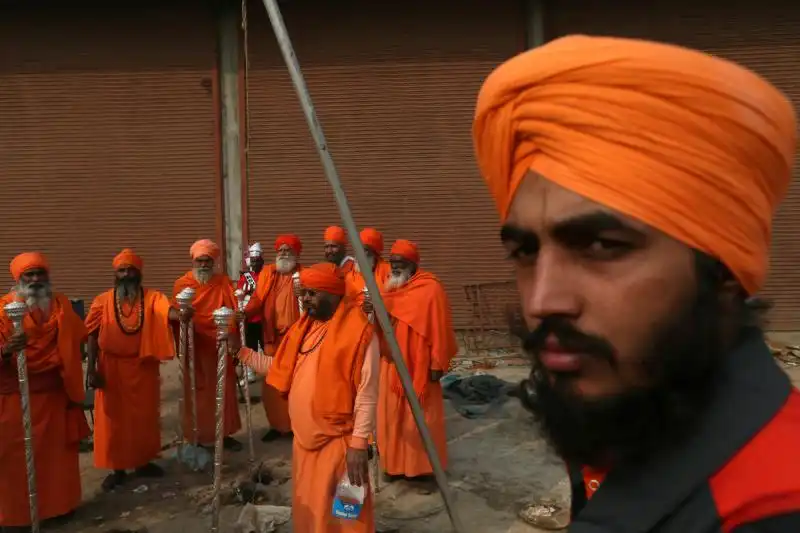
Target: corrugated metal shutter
761,35
107,139
395,86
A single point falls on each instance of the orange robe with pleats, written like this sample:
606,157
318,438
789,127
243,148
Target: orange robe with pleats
209,297
127,428
423,327
275,301
55,381
355,282
329,370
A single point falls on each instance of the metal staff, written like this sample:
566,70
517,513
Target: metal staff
246,385
287,50
296,282
185,299
222,318
16,313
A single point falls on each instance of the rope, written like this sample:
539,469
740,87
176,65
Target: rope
246,39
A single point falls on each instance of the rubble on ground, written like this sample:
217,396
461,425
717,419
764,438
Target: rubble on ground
787,355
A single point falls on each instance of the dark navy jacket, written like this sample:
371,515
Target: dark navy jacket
740,473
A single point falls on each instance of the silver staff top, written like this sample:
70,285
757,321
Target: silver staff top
223,317
16,312
296,278
185,297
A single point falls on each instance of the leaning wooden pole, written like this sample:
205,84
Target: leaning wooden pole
287,49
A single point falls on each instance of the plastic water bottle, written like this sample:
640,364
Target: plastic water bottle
348,500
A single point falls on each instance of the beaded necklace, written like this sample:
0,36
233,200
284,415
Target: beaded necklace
138,307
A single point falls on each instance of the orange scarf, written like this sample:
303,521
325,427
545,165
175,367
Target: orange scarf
340,360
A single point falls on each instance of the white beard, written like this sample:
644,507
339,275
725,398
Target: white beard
397,281
202,275
36,298
284,265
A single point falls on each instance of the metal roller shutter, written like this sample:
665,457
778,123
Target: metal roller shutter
763,36
395,86
108,138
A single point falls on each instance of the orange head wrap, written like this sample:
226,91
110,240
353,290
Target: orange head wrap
292,241
407,250
27,261
336,235
205,248
325,277
693,145
372,238
127,258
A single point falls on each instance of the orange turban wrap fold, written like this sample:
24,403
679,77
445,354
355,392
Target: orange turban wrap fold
335,234
372,238
407,250
324,277
205,247
292,241
27,261
127,258
693,145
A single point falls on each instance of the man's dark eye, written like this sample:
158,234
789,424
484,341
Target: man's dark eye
521,253
606,248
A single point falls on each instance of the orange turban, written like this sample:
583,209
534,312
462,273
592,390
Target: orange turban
292,241
205,247
27,261
372,238
335,234
407,250
693,145
127,258
325,277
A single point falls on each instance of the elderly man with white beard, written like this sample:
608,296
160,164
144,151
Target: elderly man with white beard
274,300
213,289
52,334
422,321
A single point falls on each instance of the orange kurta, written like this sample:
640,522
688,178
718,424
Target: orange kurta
355,280
421,314
274,298
127,429
321,436
56,388
209,297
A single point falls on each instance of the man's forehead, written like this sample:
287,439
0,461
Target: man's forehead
398,260
35,272
332,243
540,205
284,248
204,258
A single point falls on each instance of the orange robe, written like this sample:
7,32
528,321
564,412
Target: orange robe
127,428
355,282
329,370
274,298
55,381
423,326
218,292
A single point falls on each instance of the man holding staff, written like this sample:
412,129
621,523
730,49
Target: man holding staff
52,335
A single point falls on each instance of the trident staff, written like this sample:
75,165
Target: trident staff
248,410
289,57
16,313
222,318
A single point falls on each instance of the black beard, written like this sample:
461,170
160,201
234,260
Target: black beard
323,311
628,428
334,258
128,285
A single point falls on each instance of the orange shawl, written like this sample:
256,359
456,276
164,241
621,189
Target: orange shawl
156,336
340,360
52,344
355,280
423,305
267,298
218,292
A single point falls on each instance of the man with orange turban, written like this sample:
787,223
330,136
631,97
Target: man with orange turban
213,289
52,334
129,335
336,249
372,240
420,312
637,183
276,303
327,366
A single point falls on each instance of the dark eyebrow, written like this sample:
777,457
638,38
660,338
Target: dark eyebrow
510,233
596,222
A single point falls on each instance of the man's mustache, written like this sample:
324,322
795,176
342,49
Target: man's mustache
570,339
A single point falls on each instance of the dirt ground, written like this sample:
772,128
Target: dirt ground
498,463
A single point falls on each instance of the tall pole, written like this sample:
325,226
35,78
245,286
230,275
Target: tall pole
222,318
16,313
248,409
287,49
